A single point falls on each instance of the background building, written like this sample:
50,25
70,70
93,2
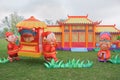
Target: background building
80,31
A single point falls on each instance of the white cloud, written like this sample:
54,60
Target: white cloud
105,10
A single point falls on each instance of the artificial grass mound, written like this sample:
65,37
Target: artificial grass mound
115,59
116,50
96,49
69,64
4,60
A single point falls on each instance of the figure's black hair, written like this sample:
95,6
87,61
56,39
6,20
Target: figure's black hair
23,31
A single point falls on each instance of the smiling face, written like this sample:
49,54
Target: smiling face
12,38
28,37
105,43
51,37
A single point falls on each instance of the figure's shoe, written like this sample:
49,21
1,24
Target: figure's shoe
17,58
47,59
102,60
56,59
10,59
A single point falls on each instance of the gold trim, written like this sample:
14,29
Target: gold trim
31,48
29,54
27,43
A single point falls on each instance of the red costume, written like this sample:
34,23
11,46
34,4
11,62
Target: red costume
12,49
104,55
49,50
105,43
12,46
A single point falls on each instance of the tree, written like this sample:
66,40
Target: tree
49,22
2,32
60,20
118,37
11,21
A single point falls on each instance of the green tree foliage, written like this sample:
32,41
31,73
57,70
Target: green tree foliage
60,20
118,38
1,34
9,22
49,22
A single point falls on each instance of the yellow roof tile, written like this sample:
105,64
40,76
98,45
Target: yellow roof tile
106,29
31,23
78,19
53,29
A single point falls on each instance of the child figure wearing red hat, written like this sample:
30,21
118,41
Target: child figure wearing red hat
49,46
12,46
105,43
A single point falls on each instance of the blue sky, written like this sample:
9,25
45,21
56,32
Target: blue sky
97,10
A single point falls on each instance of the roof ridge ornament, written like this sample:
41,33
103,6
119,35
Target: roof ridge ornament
78,16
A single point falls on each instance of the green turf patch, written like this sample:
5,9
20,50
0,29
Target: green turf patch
116,50
4,60
69,64
115,59
96,49
33,68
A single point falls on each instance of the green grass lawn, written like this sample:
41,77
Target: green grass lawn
34,69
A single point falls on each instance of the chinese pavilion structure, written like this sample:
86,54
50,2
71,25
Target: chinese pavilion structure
80,31
33,48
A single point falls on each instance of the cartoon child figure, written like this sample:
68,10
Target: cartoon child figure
28,35
12,47
49,46
105,44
